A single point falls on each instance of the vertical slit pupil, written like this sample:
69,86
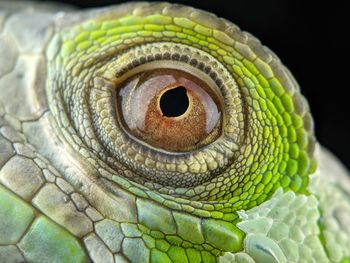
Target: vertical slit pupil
174,102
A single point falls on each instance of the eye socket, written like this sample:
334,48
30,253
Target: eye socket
170,109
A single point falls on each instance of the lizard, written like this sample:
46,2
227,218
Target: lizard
92,169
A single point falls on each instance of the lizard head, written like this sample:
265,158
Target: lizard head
172,123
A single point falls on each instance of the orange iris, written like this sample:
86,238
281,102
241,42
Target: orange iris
170,109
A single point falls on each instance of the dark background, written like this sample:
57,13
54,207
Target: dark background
310,40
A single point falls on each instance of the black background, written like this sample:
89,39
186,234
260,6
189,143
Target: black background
310,39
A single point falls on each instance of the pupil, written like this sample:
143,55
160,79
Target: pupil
174,102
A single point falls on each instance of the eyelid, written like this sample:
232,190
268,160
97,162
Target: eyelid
163,64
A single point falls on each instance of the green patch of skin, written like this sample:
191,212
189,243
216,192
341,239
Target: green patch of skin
189,227
155,216
158,256
208,258
15,217
345,260
223,235
193,255
178,254
162,245
48,242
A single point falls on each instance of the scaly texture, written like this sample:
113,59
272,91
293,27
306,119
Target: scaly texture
75,186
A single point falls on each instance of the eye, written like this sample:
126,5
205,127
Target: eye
126,98
173,103
170,109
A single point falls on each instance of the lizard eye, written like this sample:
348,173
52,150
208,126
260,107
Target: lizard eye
131,97
169,109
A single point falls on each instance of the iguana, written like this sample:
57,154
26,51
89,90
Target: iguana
156,132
